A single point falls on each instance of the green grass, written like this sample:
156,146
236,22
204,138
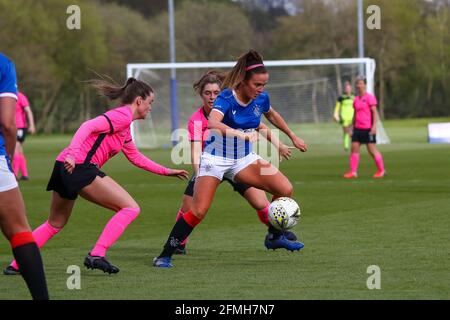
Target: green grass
400,223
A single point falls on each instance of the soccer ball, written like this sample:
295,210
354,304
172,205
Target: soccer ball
284,213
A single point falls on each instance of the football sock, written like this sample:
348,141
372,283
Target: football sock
180,231
28,257
41,235
179,215
23,166
17,163
379,162
354,162
263,215
113,230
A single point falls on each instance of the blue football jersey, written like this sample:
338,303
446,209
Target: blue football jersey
8,87
237,116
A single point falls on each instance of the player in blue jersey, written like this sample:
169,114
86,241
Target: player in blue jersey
228,151
13,221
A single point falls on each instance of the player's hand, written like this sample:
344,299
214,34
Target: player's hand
284,151
32,130
337,119
180,174
299,144
373,131
69,164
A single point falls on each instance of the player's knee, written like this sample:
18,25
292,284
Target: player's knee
288,190
199,212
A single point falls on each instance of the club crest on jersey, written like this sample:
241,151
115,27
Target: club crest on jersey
257,110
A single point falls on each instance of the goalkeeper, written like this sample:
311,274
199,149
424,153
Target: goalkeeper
343,113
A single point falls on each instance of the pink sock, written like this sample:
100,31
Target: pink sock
17,163
379,162
263,215
23,166
114,229
41,235
179,215
354,162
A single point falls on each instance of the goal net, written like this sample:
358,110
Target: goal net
304,92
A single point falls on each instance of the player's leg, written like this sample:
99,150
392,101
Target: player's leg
354,160
186,205
258,200
204,190
60,211
347,137
378,158
14,225
262,175
23,163
109,194
17,163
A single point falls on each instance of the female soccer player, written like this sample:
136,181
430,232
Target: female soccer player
208,88
235,116
77,170
13,220
365,129
343,113
23,111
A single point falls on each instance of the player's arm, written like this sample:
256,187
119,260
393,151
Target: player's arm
277,120
133,155
337,111
32,127
8,123
215,123
374,111
283,150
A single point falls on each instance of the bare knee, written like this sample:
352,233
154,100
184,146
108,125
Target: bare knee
199,211
288,190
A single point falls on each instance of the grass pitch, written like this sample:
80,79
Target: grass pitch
400,223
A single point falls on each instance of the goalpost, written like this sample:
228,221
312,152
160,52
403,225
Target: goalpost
304,92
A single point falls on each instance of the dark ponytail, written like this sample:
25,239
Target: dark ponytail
132,89
247,64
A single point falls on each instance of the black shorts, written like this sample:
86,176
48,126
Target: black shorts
363,136
68,185
21,134
239,187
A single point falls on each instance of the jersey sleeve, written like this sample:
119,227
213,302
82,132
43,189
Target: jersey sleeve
23,101
119,119
133,155
372,100
221,105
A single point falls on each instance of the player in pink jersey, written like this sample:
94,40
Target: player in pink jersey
364,130
77,170
23,111
208,87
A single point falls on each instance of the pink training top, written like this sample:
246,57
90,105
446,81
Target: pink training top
21,117
198,126
99,139
363,112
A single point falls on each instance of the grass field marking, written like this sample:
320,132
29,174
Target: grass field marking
374,280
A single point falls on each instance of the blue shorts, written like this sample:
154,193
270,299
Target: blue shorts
8,79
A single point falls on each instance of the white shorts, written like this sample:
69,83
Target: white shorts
221,167
7,179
